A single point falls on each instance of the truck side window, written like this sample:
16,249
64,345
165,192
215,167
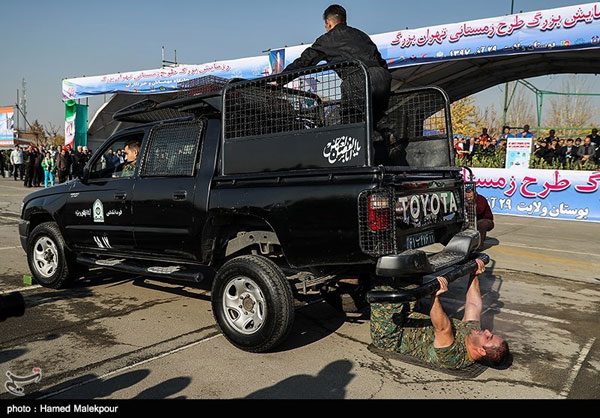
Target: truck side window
172,150
113,162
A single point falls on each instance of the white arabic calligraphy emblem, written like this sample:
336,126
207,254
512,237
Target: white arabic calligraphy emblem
341,149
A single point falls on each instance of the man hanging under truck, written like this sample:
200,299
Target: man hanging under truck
435,339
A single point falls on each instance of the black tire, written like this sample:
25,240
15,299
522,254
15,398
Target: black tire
272,296
65,269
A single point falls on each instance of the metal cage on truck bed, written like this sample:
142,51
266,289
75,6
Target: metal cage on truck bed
422,131
321,113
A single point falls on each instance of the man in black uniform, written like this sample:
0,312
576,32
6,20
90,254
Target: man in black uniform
2,163
342,42
29,160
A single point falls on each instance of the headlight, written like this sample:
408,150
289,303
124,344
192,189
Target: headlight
22,207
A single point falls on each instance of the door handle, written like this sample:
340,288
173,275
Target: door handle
120,195
180,195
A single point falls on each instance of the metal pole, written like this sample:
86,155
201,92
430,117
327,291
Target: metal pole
17,108
512,6
540,110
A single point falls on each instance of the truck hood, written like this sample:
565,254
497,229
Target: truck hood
50,191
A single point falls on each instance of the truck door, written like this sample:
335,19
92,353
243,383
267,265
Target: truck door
163,200
98,212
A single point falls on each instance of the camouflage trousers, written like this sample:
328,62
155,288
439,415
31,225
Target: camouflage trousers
387,319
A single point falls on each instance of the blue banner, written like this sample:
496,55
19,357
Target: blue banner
554,194
572,27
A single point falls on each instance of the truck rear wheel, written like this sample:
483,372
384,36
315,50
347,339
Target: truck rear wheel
47,256
252,303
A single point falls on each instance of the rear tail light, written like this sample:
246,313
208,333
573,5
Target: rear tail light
379,213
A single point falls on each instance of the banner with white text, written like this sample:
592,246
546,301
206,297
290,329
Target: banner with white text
543,31
554,194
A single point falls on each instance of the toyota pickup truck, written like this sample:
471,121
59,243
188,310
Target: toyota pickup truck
270,188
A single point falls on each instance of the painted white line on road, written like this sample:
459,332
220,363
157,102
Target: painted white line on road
526,224
11,213
527,315
122,369
548,219
16,188
21,289
508,311
9,248
9,218
575,371
512,244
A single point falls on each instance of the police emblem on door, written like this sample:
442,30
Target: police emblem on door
98,211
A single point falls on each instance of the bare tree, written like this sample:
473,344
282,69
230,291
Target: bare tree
520,111
53,136
571,111
38,132
488,118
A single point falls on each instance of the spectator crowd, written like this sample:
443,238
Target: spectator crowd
39,166
567,152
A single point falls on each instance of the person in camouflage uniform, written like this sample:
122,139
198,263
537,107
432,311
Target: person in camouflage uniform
436,339
132,149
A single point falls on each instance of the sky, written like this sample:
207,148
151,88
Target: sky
46,41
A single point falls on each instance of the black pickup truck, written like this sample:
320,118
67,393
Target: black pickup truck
271,188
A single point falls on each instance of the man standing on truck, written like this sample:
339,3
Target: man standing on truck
436,339
342,42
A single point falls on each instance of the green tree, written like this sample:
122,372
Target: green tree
465,118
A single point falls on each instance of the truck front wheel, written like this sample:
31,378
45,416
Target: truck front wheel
252,303
47,257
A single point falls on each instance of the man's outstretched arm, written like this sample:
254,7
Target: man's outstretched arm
474,304
443,327
309,57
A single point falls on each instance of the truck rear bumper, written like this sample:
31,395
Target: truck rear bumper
430,287
416,262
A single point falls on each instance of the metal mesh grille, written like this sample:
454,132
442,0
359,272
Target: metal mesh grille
376,222
319,97
200,86
417,114
172,149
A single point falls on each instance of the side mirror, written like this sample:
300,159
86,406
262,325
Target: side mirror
86,174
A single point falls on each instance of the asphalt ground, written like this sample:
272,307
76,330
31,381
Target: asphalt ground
117,336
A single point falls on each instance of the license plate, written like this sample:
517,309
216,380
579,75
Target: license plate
420,240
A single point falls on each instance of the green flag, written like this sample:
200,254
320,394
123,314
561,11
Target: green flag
70,112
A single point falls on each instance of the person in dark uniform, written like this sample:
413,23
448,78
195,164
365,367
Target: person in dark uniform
2,163
342,42
38,172
29,158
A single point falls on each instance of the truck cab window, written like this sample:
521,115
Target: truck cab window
119,159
